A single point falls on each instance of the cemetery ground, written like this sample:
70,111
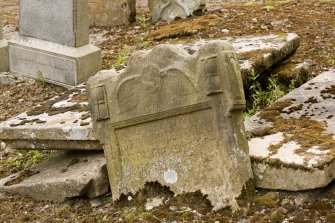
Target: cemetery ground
312,20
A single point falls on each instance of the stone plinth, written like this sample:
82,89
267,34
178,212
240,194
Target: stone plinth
292,144
58,64
4,63
172,9
175,117
53,42
111,12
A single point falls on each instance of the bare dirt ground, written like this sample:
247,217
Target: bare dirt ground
313,21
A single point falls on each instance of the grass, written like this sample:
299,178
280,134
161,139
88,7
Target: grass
122,56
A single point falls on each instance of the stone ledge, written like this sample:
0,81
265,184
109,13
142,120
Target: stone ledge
4,56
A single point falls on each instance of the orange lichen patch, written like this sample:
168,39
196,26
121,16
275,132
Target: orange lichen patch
273,111
311,100
329,92
187,28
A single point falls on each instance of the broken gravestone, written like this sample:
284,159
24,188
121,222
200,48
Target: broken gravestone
53,42
168,10
4,64
62,176
292,144
111,12
176,118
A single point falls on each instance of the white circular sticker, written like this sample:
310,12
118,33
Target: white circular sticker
170,176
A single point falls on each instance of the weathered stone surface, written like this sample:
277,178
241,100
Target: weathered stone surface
62,176
172,9
254,47
4,63
58,64
63,123
64,22
175,118
111,12
292,145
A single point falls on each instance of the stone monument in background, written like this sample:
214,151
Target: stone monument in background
4,64
53,42
175,117
111,12
168,10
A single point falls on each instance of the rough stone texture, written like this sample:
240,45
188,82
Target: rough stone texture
253,46
64,22
301,154
61,177
111,12
63,123
58,64
172,9
174,118
4,63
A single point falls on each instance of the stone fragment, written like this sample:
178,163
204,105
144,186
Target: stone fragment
278,47
175,118
53,42
4,63
171,9
62,123
60,177
111,12
297,148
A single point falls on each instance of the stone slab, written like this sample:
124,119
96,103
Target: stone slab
254,46
111,12
58,64
175,118
292,143
62,176
63,22
62,123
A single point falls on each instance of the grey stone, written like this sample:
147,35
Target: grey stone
58,64
62,176
296,148
64,22
174,117
4,63
13,133
61,123
172,9
111,12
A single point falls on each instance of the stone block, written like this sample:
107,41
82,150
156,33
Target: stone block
292,144
62,176
111,12
58,64
64,22
175,117
172,9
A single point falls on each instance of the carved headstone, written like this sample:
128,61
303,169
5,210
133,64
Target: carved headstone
111,12
168,10
4,64
176,118
53,42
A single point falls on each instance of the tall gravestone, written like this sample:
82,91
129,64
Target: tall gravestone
175,117
4,64
53,42
168,10
111,12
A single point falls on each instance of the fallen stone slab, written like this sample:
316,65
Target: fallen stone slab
63,127
63,122
60,177
292,145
